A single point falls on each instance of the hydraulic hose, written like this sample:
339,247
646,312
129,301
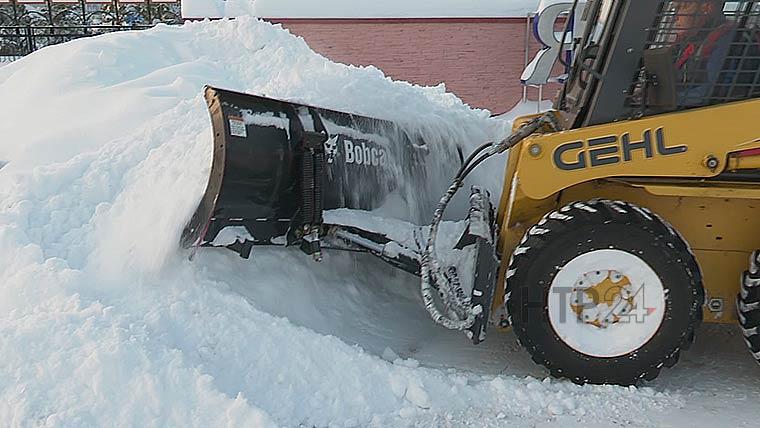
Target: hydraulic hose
433,278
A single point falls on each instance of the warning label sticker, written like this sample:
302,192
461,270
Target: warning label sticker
237,127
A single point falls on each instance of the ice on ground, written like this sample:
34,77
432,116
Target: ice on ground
103,322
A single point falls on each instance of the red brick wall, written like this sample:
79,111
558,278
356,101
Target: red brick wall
480,60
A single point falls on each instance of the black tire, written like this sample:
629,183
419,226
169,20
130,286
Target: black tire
580,228
748,305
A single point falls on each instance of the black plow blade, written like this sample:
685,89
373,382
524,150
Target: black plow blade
278,165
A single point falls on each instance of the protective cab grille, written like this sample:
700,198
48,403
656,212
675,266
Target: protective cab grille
700,53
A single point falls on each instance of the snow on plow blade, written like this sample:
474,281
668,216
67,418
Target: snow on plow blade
278,165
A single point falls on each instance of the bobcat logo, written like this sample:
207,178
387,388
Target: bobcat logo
331,149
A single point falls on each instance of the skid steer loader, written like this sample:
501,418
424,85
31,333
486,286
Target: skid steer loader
627,216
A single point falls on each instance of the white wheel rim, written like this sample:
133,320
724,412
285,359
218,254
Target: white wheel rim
617,331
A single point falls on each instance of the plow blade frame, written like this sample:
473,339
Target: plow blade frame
278,165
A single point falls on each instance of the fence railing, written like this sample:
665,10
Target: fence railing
28,25
19,41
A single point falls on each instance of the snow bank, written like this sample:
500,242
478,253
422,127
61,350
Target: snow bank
358,8
5,60
104,323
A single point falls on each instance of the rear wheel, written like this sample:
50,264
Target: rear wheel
604,292
748,304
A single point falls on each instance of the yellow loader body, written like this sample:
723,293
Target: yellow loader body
674,164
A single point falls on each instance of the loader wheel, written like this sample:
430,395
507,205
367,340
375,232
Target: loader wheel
604,292
748,304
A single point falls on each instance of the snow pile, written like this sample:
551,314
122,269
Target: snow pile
358,8
103,322
5,60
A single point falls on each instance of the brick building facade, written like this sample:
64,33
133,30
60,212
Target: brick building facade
479,59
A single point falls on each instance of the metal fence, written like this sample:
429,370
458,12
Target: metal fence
28,25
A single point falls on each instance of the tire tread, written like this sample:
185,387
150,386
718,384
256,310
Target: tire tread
602,211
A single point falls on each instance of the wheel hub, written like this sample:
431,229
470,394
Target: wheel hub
602,298
606,303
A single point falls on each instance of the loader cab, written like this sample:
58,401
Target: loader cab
639,58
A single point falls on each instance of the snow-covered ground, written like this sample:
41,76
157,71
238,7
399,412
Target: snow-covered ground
358,8
104,322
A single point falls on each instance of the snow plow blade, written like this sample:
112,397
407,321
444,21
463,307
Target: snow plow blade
290,174
278,166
